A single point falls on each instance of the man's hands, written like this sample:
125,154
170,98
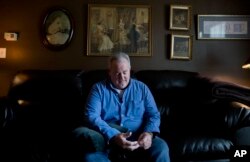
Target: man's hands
121,140
144,141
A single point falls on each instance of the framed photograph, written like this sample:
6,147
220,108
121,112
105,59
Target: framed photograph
57,28
181,47
223,27
119,28
180,18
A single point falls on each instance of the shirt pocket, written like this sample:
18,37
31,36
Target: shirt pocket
135,109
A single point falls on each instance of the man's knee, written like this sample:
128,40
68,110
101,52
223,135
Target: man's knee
89,140
160,150
160,143
96,156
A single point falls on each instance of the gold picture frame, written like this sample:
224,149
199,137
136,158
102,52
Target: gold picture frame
181,47
119,28
180,17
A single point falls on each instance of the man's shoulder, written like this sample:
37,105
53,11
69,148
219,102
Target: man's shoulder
100,83
137,82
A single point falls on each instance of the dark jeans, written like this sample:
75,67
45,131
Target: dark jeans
99,151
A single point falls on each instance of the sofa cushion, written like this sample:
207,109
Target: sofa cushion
201,148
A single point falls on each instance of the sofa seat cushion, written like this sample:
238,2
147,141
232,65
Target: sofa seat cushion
201,148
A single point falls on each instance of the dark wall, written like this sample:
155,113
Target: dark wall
220,59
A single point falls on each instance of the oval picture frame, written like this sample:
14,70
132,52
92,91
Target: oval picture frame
57,28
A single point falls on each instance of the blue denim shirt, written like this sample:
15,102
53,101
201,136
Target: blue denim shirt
136,110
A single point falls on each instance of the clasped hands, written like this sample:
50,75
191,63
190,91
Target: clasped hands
144,141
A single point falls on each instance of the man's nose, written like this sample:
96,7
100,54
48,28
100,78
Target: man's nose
121,76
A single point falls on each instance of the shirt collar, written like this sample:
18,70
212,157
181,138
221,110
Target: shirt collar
111,85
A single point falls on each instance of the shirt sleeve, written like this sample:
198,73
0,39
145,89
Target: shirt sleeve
152,114
92,113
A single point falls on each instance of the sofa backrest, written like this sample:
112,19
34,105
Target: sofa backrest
184,101
61,94
88,78
47,97
44,84
166,85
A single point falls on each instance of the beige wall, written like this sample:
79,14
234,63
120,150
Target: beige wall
216,58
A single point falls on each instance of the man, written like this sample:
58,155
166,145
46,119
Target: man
123,110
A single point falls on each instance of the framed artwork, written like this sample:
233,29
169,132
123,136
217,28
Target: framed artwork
119,28
180,18
57,28
181,47
223,27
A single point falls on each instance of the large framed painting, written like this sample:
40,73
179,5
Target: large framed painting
119,28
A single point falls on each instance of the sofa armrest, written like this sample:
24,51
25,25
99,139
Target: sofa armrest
241,136
6,112
238,120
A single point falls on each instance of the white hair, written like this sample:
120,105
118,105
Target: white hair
120,56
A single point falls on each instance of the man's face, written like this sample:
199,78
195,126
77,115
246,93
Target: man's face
119,73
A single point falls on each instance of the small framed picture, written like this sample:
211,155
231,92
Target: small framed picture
180,17
181,47
57,28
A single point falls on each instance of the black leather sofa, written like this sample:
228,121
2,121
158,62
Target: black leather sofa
201,119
